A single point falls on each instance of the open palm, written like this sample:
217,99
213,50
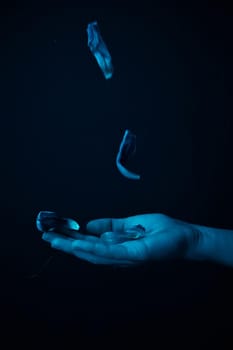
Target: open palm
164,238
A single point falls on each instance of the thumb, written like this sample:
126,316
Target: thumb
99,226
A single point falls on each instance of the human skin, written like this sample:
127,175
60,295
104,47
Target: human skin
165,239
214,245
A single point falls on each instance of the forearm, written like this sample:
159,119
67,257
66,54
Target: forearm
213,244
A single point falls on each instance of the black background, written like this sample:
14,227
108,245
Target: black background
61,124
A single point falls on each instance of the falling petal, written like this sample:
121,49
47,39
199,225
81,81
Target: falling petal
99,49
51,221
136,232
126,150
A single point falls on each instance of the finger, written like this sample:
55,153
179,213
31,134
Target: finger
99,226
105,250
94,259
83,236
51,236
65,245
48,236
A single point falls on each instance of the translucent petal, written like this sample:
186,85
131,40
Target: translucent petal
99,49
116,237
49,220
126,150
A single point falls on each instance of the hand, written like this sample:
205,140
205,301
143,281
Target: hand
165,238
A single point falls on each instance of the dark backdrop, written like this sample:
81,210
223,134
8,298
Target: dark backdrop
61,124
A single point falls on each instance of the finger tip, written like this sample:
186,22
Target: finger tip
56,243
91,226
44,236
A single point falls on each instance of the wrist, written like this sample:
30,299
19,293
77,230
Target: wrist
200,245
212,244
